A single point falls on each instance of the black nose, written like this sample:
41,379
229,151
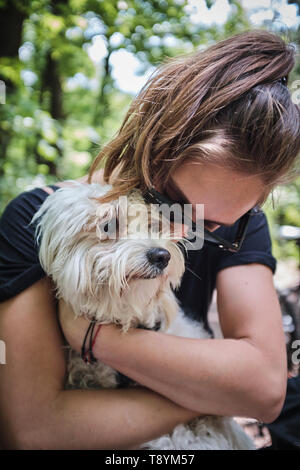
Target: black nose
159,257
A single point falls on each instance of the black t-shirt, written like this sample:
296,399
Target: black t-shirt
20,266
285,430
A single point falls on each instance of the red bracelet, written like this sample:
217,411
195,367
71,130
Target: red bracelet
94,340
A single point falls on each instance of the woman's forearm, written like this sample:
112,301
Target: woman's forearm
211,376
102,419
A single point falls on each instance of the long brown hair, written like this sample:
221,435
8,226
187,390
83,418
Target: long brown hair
228,104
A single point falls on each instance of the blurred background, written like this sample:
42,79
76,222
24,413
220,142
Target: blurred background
70,68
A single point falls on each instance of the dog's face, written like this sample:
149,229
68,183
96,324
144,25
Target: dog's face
111,261
135,250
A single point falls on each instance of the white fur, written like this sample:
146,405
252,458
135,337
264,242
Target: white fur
108,280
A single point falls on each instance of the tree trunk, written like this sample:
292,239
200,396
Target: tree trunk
102,102
51,82
11,25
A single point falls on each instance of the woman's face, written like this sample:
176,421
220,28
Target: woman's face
225,193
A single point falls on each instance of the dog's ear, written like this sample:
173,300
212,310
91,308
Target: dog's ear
63,219
65,245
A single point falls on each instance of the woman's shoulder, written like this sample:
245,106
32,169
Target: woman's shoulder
19,262
96,178
27,202
20,210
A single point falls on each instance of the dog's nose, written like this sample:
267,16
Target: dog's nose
159,257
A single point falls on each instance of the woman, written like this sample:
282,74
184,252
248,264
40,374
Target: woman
218,128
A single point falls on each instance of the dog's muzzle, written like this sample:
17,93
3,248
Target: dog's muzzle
157,260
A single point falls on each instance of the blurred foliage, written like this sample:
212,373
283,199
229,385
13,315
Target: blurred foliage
62,105
282,207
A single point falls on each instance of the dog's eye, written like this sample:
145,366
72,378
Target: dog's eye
110,228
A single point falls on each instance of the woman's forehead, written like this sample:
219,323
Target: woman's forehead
225,194
208,175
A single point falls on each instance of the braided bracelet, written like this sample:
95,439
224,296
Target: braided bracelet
88,356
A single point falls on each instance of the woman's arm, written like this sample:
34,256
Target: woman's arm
35,411
242,375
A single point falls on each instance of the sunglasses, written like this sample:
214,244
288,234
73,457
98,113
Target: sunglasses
154,197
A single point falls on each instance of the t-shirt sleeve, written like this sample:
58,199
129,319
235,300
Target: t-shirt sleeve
19,263
256,248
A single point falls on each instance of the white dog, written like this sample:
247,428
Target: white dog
114,263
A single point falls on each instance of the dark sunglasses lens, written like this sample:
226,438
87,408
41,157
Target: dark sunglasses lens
154,197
